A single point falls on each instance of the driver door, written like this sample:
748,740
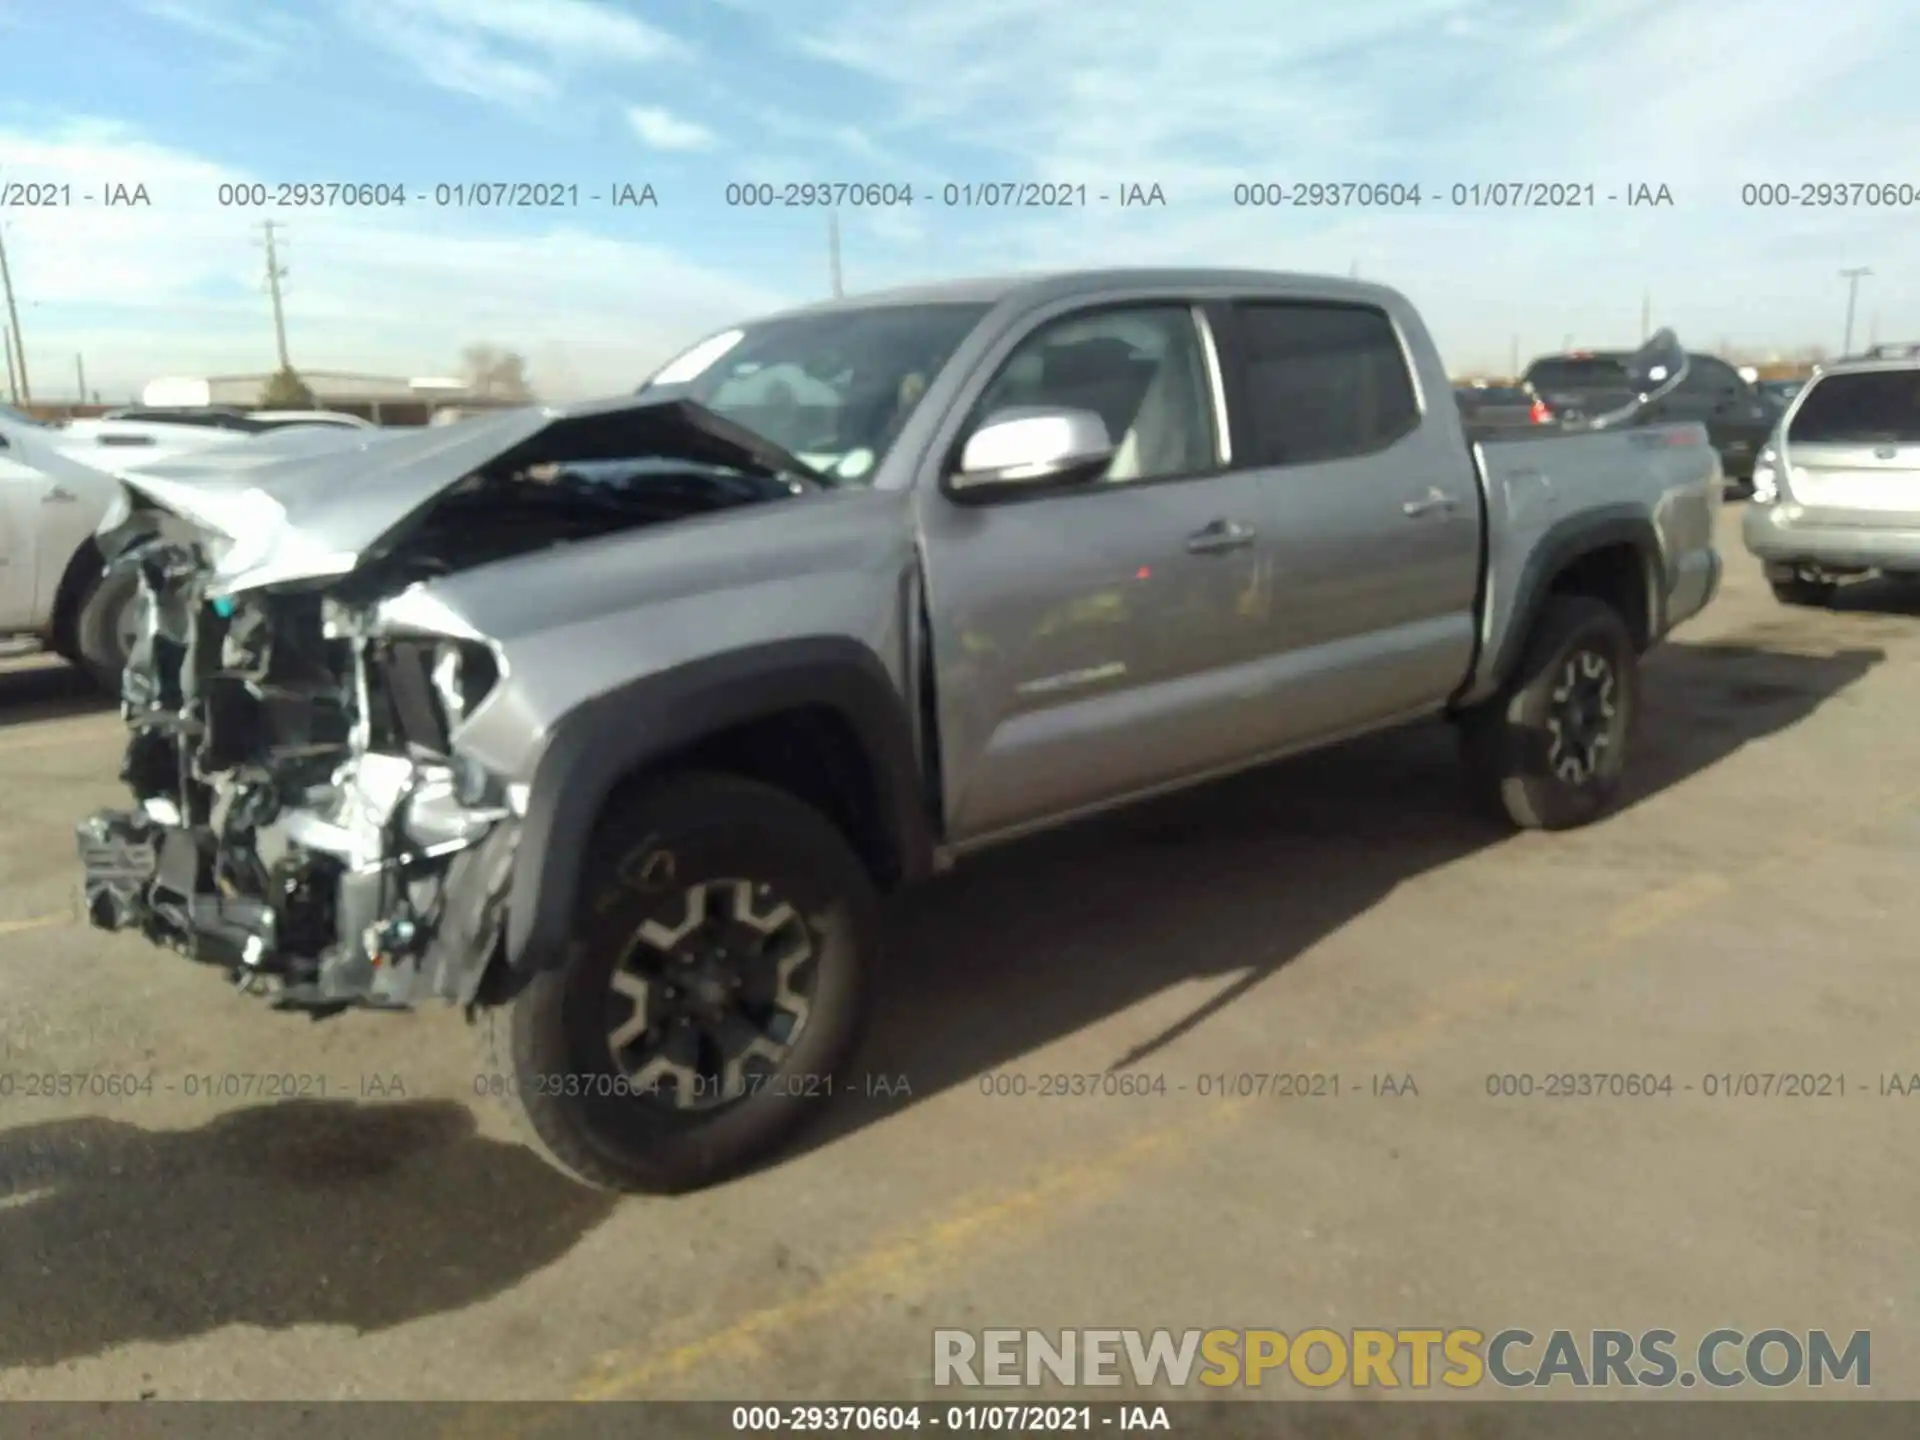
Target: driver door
1090,639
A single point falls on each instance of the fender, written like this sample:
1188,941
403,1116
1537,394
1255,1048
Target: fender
602,741
1563,544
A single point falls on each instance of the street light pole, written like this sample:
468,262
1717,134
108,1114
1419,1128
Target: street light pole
1853,278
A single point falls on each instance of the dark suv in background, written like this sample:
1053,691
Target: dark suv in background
1738,417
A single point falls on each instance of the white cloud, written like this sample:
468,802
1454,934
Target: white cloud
178,288
1427,92
663,130
516,53
218,23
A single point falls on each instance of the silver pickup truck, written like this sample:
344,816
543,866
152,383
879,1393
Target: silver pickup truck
610,723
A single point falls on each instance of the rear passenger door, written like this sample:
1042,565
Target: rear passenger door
1372,520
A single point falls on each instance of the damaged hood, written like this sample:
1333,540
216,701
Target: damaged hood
317,505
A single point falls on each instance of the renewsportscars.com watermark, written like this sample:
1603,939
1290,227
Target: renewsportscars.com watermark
1415,1359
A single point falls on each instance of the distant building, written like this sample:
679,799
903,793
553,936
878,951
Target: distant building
383,399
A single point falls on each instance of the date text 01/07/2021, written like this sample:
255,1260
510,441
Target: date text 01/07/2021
1209,1085
197,1085
954,195
459,195
975,1416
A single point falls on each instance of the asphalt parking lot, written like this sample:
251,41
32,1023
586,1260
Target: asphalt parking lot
1752,909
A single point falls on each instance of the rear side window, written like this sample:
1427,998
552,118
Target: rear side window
1875,408
1321,382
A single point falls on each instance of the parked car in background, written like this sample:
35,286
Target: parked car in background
611,723
1837,492
1779,393
281,419
1500,407
1587,382
57,481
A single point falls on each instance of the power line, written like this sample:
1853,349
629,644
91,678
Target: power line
18,354
276,272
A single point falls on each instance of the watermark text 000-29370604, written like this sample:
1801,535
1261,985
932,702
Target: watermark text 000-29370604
1403,1358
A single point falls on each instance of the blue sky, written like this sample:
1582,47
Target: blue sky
1194,96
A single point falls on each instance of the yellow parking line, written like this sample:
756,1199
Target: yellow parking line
44,734
37,922
919,1258
922,1257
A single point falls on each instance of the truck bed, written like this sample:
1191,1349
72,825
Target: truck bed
1530,484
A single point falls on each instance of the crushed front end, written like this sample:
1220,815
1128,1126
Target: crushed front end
301,816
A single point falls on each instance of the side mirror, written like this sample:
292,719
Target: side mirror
1031,446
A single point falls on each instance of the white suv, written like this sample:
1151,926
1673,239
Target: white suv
1836,492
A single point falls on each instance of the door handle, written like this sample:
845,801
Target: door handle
1219,537
58,495
1434,499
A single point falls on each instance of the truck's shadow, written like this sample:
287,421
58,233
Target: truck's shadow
1229,883
35,689
296,1213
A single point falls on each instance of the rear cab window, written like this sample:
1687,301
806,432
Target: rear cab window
1318,381
1596,372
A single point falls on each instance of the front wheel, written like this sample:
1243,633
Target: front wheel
1548,752
107,624
716,987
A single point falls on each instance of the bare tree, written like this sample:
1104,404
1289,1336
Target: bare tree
494,373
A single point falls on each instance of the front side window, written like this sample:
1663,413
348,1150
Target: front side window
833,387
1140,369
1322,382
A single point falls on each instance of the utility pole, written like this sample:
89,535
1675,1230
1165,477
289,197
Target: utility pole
276,272
833,250
22,390
13,381
1353,270
1853,278
1646,315
80,375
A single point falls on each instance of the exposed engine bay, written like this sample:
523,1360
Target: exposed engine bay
303,815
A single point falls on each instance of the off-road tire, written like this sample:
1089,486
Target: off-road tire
1809,594
546,1058
1507,744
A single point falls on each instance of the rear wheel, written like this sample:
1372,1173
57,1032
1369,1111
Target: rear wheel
717,986
1802,591
1548,752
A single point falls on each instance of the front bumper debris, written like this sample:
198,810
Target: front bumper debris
301,816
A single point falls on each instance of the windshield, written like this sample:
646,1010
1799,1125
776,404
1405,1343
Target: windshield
1591,374
833,387
1876,408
